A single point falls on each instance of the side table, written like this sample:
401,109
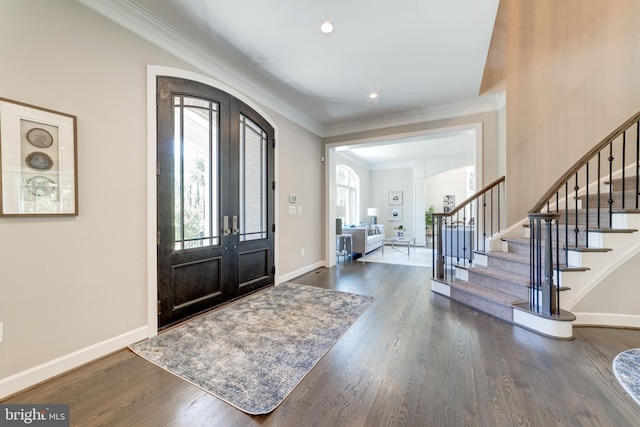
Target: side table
344,246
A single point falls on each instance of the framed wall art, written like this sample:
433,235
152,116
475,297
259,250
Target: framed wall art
395,214
38,161
395,198
449,202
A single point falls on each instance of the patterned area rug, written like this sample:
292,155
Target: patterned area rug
626,366
252,353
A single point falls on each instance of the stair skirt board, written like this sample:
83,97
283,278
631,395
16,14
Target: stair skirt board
559,329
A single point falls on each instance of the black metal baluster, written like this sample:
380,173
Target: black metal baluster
576,229
599,208
484,218
566,218
558,234
611,158
586,214
491,199
624,166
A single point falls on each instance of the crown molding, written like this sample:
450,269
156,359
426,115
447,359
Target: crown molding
140,22
484,104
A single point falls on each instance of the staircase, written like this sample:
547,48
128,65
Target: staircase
590,223
497,282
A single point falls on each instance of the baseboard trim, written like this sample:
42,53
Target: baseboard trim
607,319
299,272
30,377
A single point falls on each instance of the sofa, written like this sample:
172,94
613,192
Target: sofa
366,239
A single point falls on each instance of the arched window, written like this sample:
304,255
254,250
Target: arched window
347,193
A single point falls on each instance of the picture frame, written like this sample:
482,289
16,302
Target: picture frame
395,214
38,161
395,198
449,202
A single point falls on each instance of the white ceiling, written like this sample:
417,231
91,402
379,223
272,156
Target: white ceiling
418,55
424,58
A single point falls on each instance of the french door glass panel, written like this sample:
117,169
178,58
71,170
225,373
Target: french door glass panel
196,144
253,181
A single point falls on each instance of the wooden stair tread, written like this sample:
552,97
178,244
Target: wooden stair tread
585,249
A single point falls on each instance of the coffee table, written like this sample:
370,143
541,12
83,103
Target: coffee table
401,241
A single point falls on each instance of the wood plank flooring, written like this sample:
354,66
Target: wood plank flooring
413,358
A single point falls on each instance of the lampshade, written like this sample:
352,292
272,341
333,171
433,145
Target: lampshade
373,212
341,211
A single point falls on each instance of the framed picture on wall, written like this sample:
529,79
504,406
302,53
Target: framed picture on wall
449,202
395,198
395,214
38,171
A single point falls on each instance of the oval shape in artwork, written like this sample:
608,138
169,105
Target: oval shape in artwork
41,185
39,137
39,161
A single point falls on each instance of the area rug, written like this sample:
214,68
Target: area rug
626,367
253,352
421,257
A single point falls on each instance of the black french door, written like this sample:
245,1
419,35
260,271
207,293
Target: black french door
215,199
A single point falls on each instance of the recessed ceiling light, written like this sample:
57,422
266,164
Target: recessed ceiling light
373,95
326,27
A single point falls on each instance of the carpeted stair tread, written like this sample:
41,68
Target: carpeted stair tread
509,256
495,273
493,302
499,280
482,292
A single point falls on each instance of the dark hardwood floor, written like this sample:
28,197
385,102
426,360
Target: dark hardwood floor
413,358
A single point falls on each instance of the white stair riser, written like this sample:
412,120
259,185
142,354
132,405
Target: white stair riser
481,259
462,274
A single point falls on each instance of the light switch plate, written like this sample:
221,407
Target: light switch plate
292,209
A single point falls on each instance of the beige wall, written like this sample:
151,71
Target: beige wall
571,78
72,284
617,294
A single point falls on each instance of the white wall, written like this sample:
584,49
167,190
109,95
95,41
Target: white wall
72,289
384,181
450,182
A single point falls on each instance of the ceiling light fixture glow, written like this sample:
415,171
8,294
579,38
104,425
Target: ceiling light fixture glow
326,27
373,95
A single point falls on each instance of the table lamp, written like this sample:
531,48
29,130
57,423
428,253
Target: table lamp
373,213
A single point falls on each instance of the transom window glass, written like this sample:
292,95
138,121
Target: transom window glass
347,193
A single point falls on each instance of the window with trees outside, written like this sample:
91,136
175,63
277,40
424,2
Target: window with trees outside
347,193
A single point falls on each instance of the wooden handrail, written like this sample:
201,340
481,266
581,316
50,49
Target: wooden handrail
472,198
583,160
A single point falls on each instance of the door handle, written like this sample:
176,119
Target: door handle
236,230
225,226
